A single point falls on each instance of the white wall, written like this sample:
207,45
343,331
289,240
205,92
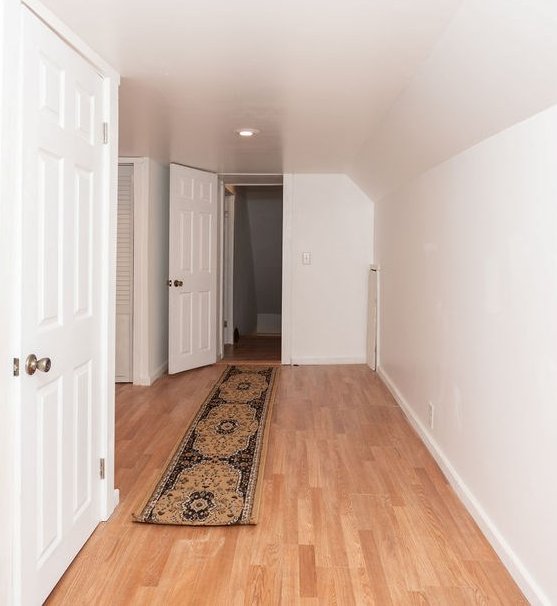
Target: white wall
159,176
468,320
494,65
333,220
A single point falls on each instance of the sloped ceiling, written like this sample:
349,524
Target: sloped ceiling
495,65
379,89
314,76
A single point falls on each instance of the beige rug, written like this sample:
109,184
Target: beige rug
213,476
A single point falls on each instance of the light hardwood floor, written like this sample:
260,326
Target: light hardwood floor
355,510
254,349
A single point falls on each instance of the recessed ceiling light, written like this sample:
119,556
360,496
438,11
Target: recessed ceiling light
246,132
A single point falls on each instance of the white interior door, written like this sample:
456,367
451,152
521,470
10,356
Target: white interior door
192,269
61,313
124,276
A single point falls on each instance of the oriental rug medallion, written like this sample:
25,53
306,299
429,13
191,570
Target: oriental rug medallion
213,477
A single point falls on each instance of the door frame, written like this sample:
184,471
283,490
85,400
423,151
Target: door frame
219,333
10,277
228,269
372,316
247,179
287,267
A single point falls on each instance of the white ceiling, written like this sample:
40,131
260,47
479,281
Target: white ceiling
315,76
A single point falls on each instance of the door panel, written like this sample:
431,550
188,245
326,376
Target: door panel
49,462
81,438
83,242
186,240
192,268
61,313
186,322
205,307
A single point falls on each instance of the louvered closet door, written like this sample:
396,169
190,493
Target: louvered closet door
124,276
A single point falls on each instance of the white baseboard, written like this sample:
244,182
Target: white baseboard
151,378
159,372
143,381
510,559
318,361
109,507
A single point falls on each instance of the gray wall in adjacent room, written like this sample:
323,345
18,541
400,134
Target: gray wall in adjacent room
257,255
245,310
265,218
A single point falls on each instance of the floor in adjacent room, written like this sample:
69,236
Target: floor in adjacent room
354,511
254,348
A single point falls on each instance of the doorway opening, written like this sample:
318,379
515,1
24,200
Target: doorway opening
252,273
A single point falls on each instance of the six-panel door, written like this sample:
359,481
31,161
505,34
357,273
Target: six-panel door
62,184
192,268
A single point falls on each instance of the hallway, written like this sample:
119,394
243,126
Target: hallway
354,509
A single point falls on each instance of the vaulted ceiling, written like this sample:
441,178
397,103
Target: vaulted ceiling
375,88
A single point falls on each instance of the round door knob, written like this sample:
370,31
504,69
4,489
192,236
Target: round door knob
178,283
32,364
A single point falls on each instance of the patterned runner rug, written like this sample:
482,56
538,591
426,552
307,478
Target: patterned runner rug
212,477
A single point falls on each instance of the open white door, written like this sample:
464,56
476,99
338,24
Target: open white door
192,269
61,314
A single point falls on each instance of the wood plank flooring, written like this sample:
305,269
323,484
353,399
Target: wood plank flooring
354,511
253,349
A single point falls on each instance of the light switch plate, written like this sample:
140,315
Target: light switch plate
306,258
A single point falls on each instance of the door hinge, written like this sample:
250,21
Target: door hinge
226,323
16,367
102,469
105,132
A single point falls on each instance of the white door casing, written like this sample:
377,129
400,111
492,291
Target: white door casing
228,266
61,314
220,270
372,319
193,233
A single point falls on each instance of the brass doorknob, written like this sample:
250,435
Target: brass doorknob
32,364
178,283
